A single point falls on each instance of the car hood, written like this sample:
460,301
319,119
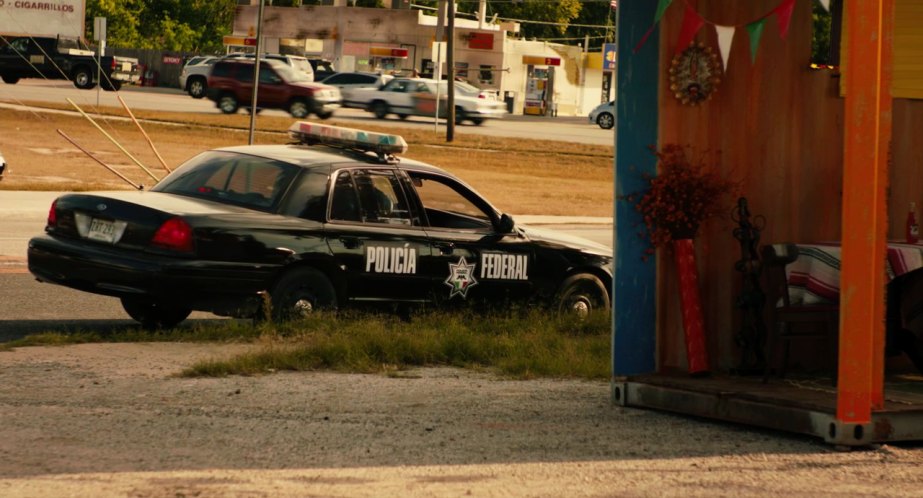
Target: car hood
561,239
313,85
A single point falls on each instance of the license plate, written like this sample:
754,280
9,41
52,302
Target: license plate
102,230
126,66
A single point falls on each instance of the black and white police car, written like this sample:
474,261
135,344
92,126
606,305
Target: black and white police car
335,220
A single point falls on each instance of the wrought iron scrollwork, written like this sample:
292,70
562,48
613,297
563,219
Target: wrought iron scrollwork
752,300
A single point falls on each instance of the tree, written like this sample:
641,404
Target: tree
178,25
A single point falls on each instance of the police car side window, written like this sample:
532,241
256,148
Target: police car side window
446,206
345,203
381,199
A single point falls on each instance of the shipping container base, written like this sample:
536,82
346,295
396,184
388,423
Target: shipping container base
804,405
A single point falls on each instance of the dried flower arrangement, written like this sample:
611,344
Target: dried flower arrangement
684,194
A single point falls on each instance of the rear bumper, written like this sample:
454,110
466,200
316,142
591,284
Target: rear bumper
99,269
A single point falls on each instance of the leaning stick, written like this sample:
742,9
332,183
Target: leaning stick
149,142
110,168
113,140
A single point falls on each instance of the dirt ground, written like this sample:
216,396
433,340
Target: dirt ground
115,420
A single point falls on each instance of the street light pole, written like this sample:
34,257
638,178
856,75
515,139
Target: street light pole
256,70
450,61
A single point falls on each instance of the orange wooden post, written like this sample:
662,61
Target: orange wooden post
864,223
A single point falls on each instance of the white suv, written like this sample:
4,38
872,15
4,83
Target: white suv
297,62
194,76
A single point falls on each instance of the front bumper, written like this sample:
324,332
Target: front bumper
100,269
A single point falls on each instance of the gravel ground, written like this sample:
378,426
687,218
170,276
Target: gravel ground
114,420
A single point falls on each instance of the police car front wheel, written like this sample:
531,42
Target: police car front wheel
582,294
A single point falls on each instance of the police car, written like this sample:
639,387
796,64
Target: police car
334,220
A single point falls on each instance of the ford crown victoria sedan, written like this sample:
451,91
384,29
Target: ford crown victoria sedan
335,220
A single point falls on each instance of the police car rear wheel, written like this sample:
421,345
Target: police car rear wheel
582,294
153,314
605,121
299,293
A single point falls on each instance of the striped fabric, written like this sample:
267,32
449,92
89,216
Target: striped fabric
814,278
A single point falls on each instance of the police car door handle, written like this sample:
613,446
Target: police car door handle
351,242
445,247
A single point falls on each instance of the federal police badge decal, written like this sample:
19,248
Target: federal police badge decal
461,278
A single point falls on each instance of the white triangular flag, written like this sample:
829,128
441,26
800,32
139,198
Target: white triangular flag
725,37
825,4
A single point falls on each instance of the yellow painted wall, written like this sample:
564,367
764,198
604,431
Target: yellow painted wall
908,50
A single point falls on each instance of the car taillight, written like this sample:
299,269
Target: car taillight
112,64
53,214
482,96
175,234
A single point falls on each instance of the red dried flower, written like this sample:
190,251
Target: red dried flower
681,197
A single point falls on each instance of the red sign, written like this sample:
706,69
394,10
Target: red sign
172,59
536,60
400,53
482,41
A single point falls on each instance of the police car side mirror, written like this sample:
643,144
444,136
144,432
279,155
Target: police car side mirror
506,223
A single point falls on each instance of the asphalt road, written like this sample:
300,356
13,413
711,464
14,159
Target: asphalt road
564,128
28,307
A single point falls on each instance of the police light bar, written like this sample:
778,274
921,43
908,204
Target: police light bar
350,138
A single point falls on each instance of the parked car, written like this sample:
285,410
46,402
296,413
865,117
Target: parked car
603,115
323,69
194,76
349,82
62,57
296,62
2,165
340,223
417,97
230,86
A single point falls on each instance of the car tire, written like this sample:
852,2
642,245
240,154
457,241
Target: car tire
324,114
380,109
228,104
460,115
477,121
10,80
605,121
300,292
298,108
153,314
82,78
196,87
580,295
111,86
403,117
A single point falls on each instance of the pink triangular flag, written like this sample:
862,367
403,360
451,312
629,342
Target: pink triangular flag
784,16
725,37
692,23
825,4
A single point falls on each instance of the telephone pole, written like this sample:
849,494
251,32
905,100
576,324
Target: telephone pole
450,61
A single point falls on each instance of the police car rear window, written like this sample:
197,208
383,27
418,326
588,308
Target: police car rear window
226,177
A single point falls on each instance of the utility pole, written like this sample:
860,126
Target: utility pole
450,61
256,70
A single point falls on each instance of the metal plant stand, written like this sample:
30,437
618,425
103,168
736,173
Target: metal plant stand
751,300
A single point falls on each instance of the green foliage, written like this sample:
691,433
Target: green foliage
178,25
820,39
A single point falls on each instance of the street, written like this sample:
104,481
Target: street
564,128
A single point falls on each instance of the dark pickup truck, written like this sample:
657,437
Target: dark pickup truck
62,58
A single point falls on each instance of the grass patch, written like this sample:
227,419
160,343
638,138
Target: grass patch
534,345
218,331
520,345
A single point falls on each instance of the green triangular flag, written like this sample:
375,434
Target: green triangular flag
755,29
661,7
